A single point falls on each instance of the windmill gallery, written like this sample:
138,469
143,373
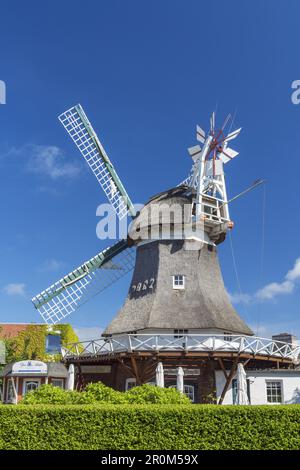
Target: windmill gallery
177,321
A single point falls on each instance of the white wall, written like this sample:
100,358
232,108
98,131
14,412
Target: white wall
290,385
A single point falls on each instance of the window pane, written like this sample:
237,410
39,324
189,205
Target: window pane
57,383
53,344
29,386
180,333
274,392
178,280
189,392
130,383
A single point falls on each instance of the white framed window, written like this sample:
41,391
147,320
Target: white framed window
130,383
58,383
178,281
29,385
227,336
188,390
53,344
274,391
180,333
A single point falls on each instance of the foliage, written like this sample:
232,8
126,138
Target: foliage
48,394
151,394
101,394
30,343
157,427
68,335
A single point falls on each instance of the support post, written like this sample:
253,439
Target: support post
148,370
126,367
220,360
136,370
228,380
14,389
80,382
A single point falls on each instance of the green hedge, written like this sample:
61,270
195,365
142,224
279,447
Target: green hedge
151,427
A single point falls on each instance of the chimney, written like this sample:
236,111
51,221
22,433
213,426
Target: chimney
285,338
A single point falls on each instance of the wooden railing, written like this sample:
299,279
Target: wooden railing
189,343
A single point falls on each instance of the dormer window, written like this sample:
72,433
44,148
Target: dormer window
180,333
227,336
178,281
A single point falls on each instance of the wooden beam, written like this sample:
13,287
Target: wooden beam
223,367
148,369
120,361
246,363
228,380
136,370
79,384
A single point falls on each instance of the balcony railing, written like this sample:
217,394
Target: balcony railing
189,343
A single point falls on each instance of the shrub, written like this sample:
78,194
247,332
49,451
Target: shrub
100,393
146,393
155,427
47,394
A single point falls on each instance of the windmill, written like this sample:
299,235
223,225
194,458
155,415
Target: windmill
204,189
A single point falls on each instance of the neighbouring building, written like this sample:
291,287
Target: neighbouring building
22,377
35,340
264,387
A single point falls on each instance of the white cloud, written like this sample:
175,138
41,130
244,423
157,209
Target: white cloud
281,288
46,160
272,290
49,160
51,265
88,333
294,273
237,298
15,289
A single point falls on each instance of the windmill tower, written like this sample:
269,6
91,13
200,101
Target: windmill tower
177,283
177,310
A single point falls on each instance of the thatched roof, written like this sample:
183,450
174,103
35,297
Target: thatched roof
203,304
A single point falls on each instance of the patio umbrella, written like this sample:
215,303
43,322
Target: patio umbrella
160,380
180,375
241,394
71,377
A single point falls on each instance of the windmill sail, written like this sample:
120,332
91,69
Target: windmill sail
83,135
70,292
232,135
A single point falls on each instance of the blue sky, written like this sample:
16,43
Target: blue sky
146,73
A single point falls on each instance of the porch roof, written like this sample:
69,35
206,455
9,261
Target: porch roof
54,369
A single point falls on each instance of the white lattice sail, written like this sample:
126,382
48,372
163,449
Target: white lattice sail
69,293
83,135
